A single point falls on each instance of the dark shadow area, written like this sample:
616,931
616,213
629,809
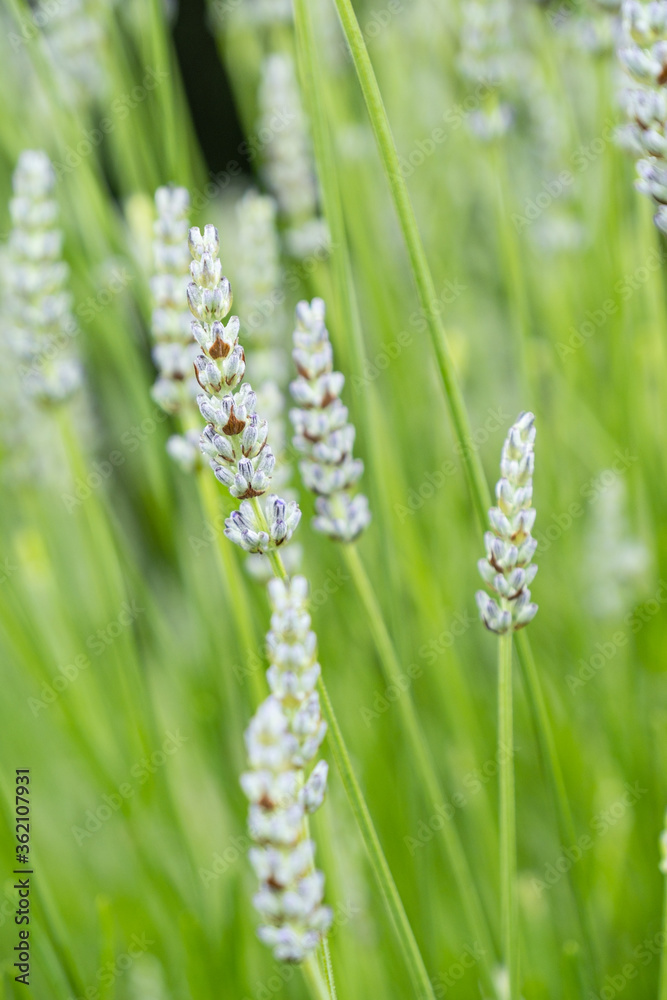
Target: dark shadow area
207,87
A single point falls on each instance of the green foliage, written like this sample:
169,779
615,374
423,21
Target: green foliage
132,638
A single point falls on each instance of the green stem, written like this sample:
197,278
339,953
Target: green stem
232,579
175,156
371,842
313,88
322,988
318,987
376,856
329,985
478,486
273,555
551,764
419,264
509,913
328,968
392,671
343,294
133,683
325,968
662,989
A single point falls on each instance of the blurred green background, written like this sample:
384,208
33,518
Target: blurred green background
126,672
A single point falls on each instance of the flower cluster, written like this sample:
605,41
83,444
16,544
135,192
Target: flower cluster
75,36
40,325
235,438
643,54
509,545
323,435
282,739
258,271
598,31
290,172
174,349
488,55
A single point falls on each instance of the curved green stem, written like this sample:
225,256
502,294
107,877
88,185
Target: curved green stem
375,853
419,265
328,968
313,87
478,486
231,578
319,989
175,156
132,681
463,876
371,841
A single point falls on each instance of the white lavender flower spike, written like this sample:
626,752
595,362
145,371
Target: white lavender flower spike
75,39
174,349
323,436
290,172
507,568
235,438
287,730
643,54
282,738
258,272
40,325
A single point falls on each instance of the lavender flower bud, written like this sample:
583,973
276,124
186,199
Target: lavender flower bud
284,735
265,530
509,546
39,324
323,437
174,350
